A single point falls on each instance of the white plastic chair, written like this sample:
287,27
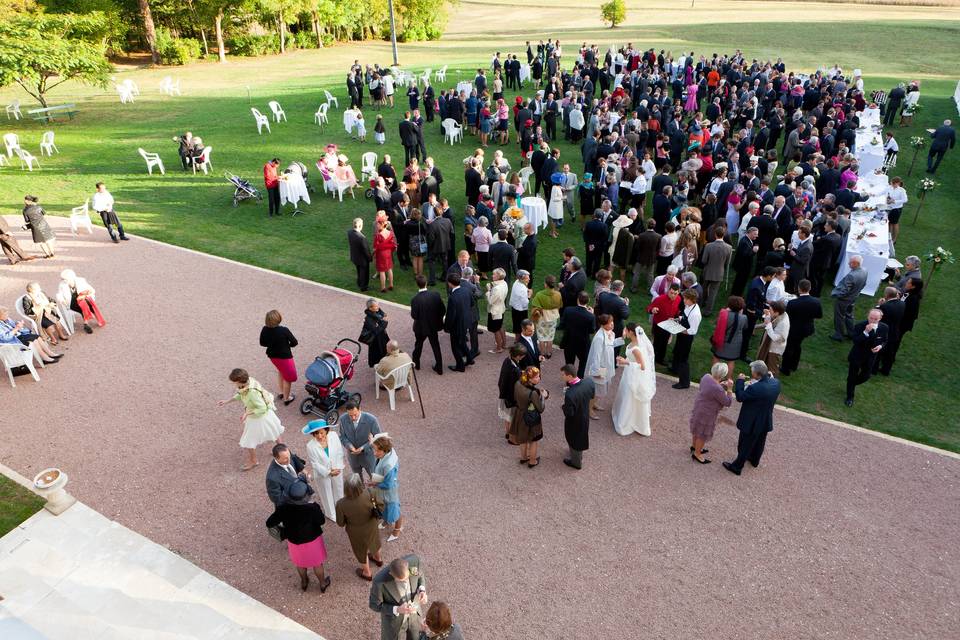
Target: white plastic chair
277,111
13,109
425,76
331,99
66,313
441,74
126,94
13,357
47,144
152,160
262,121
169,86
329,184
525,174
28,159
18,305
81,216
206,164
132,86
452,130
342,187
368,165
401,377
320,117
12,142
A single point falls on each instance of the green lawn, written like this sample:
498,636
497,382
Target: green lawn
16,505
196,211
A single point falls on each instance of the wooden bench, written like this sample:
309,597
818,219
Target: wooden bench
49,113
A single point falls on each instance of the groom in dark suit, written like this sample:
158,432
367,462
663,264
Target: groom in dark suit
457,323
427,311
756,415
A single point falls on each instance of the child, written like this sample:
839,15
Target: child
360,127
379,132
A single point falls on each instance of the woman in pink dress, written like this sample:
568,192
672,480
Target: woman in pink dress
691,105
384,244
714,395
301,525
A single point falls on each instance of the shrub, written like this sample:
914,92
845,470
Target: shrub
304,40
176,50
251,45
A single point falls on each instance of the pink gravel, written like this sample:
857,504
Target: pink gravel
839,533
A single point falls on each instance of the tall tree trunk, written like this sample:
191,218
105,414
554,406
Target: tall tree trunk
206,47
316,29
283,47
148,29
218,26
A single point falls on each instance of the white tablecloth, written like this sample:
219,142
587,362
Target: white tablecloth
349,120
524,72
874,246
465,88
869,117
293,189
875,185
535,210
869,150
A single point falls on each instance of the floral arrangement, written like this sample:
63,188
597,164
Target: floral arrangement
938,258
918,141
515,212
925,185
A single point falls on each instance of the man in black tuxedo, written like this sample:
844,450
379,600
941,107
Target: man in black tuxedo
503,256
802,311
595,234
756,415
766,231
469,282
611,302
893,309
528,338
427,311
574,284
550,166
457,323
408,138
869,338
756,302
894,100
360,253
579,326
743,260
527,253
662,206
826,251
943,138
847,197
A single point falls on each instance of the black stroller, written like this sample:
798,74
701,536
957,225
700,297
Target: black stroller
243,190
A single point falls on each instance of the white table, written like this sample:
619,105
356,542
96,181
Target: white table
293,188
869,117
349,120
535,211
524,72
869,151
869,237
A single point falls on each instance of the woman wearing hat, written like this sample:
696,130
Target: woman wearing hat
385,480
325,454
357,511
557,200
301,523
34,218
259,419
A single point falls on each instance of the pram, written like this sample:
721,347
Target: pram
243,190
326,381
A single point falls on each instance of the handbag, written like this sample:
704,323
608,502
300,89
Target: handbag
374,509
531,417
277,532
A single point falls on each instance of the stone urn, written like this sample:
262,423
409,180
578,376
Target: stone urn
50,484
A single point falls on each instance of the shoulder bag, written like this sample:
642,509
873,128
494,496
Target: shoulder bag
531,417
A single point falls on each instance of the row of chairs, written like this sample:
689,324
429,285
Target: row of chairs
14,357
11,143
320,117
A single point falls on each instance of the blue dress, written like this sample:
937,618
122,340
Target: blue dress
388,467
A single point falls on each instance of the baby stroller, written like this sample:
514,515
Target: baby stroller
243,190
326,380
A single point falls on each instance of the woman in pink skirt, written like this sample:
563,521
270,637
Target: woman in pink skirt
301,525
278,340
713,397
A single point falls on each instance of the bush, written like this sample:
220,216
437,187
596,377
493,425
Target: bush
176,50
327,39
250,45
304,40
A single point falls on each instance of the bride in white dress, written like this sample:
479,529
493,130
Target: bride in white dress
638,384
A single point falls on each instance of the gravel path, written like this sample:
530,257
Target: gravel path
839,534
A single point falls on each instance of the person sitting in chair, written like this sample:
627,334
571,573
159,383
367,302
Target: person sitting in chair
394,359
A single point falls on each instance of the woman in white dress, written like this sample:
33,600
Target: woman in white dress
631,409
601,362
555,208
325,454
259,419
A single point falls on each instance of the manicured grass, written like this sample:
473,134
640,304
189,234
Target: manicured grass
16,505
196,211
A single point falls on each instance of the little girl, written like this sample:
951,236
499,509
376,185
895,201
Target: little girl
379,132
361,127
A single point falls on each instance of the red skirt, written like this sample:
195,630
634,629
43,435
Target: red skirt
309,554
287,368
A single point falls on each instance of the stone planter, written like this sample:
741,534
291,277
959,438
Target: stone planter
50,484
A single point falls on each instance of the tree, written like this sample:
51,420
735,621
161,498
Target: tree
40,52
148,29
614,12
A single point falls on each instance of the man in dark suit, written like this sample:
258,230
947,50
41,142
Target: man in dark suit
595,234
611,302
574,284
528,338
756,302
527,253
502,255
767,230
469,282
427,311
577,395
579,326
457,323
869,338
802,311
756,415
462,263
826,251
943,138
893,309
662,206
408,138
847,197
285,469
438,242
398,592
550,166
360,254
743,260
845,296
894,100
537,158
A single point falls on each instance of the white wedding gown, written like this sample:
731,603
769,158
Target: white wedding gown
631,409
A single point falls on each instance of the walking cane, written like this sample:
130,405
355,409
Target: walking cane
419,397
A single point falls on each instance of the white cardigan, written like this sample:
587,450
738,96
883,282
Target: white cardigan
497,299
